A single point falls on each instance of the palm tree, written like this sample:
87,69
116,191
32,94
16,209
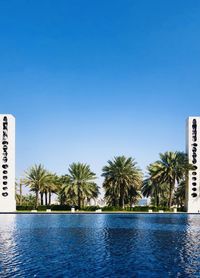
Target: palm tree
29,200
170,169
91,191
180,193
64,191
36,178
50,186
121,178
111,193
80,183
133,196
53,185
152,187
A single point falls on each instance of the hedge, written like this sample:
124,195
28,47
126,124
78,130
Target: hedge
25,207
94,208
90,208
44,208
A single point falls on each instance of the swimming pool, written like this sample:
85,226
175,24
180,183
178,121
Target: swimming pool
100,245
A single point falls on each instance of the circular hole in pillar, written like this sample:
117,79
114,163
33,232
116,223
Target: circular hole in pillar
194,195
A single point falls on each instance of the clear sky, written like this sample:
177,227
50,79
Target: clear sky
88,80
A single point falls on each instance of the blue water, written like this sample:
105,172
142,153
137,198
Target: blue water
100,245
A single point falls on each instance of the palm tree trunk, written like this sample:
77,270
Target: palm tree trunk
20,193
49,197
170,195
121,199
121,202
113,201
46,202
83,203
36,199
79,197
157,199
79,202
131,203
62,199
41,196
171,189
181,202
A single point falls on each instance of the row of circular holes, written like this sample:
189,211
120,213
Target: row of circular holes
194,150
194,183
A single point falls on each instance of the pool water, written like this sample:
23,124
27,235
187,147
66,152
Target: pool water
100,245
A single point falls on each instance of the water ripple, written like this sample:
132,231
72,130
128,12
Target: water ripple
138,245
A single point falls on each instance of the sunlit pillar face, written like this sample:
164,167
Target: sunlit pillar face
193,149
7,163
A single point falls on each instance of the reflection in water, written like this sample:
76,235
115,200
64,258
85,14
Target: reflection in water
8,250
190,249
100,245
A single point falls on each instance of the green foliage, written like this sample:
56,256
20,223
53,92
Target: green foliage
112,208
25,208
26,200
122,181
90,208
123,186
79,186
140,209
44,208
36,179
179,195
94,208
164,174
55,208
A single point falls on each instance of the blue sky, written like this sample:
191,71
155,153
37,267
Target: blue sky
88,80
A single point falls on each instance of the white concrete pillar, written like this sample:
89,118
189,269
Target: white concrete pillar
7,163
193,150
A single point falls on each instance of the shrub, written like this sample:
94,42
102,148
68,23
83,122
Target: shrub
61,207
141,208
90,208
94,208
25,208
44,208
112,209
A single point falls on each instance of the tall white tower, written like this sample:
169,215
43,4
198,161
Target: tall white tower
7,163
193,150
